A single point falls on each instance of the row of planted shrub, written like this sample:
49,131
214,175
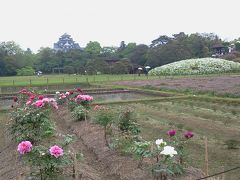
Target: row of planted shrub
168,158
40,146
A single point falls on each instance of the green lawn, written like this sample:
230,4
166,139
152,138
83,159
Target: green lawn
66,79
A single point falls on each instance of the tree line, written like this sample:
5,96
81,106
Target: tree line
126,58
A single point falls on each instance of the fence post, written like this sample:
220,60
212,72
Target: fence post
63,80
47,83
30,81
13,82
76,79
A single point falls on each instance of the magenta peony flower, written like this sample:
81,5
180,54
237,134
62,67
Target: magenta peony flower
171,132
24,147
79,90
188,134
56,151
40,97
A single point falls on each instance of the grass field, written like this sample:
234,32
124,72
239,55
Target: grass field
66,79
73,79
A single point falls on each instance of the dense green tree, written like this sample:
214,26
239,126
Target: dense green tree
93,48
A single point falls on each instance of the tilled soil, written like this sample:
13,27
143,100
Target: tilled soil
218,84
98,163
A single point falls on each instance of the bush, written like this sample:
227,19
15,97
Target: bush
30,123
79,113
104,117
26,71
127,122
232,144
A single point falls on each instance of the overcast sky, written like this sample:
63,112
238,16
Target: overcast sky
39,23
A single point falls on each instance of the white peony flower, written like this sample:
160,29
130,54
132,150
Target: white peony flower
57,92
160,142
168,150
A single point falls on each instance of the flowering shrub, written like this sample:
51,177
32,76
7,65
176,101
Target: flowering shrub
197,66
31,123
47,163
79,113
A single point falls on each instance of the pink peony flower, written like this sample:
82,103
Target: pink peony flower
23,91
188,134
56,151
40,97
84,97
171,132
24,147
39,103
45,100
71,92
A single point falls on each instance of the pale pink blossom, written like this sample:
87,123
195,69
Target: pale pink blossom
24,147
56,151
28,102
84,98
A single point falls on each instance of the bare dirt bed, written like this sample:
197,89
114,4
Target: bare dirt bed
218,84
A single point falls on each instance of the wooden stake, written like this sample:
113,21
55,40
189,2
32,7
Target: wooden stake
206,155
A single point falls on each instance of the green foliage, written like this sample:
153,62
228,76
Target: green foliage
104,117
93,48
31,124
232,144
127,122
72,105
26,71
79,113
68,69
